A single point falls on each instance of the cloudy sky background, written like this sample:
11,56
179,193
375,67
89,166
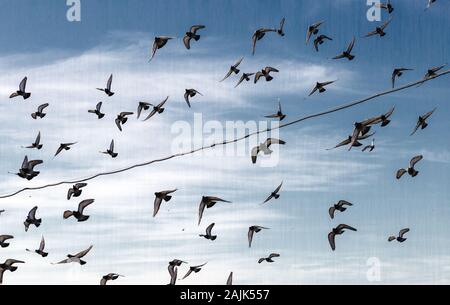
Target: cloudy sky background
66,61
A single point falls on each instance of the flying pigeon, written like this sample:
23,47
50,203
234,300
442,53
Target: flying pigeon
339,230
64,146
265,73
252,230
159,198
209,233
265,148
208,202
422,121
122,119
233,69
192,34
3,239
110,151
77,258
275,194
340,206
400,237
246,77
195,269
21,92
79,213
157,109
8,266
347,53
109,277
32,220
40,251
398,72
75,190
411,170
269,259
313,30
189,94
97,111
40,112
159,43
107,90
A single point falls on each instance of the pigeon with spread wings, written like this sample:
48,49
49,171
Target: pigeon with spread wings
8,266
122,119
32,220
192,34
265,148
190,93
110,151
265,73
77,258
313,29
340,206
37,143
21,92
339,230
380,30
208,202
27,169
269,259
208,234
246,77
78,214
280,30
195,269
64,146
157,109
320,41
422,121
40,251
348,53
109,277
75,190
159,198
159,43
275,194
411,169
251,231
398,72
233,69
258,35
400,238
97,111
40,112
321,87
362,136
107,90
386,6
279,115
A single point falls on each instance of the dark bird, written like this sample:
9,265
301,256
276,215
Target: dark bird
411,170
275,194
21,92
177,263
107,90
192,34
189,94
157,109
75,190
230,279
40,251
265,73
64,146
321,87
258,35
246,77
209,233
279,115
398,72
142,106
265,148
109,277
268,259
3,239
280,30
339,230
400,237
370,147
252,230
208,202
110,151
433,72
79,213
173,272
320,40
122,119
32,220
360,126
37,143
233,69
340,206
159,198
313,30
422,121
27,170
77,258
8,266
195,269
386,6
97,111
159,43
380,30
347,53
362,136
40,112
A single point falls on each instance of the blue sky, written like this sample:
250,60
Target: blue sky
66,61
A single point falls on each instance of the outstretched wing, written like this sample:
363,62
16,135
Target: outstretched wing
403,232
331,240
250,237
108,85
42,244
83,253
23,84
42,107
415,160
351,45
209,229
156,205
83,204
401,172
32,213
331,212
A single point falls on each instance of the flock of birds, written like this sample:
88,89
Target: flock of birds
361,131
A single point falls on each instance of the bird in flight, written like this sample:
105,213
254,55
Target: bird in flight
190,93
3,239
370,147
400,238
422,121
321,87
380,30
110,151
275,194
78,214
195,269
269,259
233,69
27,170
77,258
230,279
8,266
411,170
280,30
21,92
340,206
109,277
37,143
313,30
192,34
40,112
159,43
142,106
348,53
75,190
258,35
40,251
386,6
265,148
97,111
398,72
122,119
320,41
157,109
64,146
265,73
209,233
279,115
246,77
433,72
32,220
364,134
251,231
339,230
159,198
208,202
107,90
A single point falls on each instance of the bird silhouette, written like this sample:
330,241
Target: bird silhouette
159,198
192,34
64,147
77,258
37,143
208,202
122,119
348,52
422,121
159,43
8,265
321,87
40,251
380,30
3,239
339,230
320,41
251,231
32,220
40,112
246,77
107,90
398,72
209,233
275,194
269,259
78,214
258,35
110,151
400,238
157,109
265,73
97,111
195,269
109,277
411,169
313,30
265,148
340,206
190,93
21,92
75,190
233,69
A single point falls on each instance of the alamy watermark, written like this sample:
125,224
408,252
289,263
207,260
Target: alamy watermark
374,12
74,11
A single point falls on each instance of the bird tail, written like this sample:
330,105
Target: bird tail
196,37
4,245
67,214
351,57
269,78
12,269
39,146
322,90
38,222
424,125
214,237
83,218
414,173
26,95
44,254
33,115
101,115
236,71
82,262
167,198
385,123
43,115
276,196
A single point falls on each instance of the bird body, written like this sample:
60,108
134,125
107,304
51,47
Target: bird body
97,111
258,35
265,73
265,148
40,112
233,69
411,169
32,220
156,109
279,115
209,233
122,119
208,202
64,147
195,269
398,72
107,90
77,258
275,194
268,259
339,230
159,198
340,206
321,87
110,151
422,121
75,190
320,40
21,92
370,147
40,251
380,30
192,34
27,169
78,214
251,231
400,238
